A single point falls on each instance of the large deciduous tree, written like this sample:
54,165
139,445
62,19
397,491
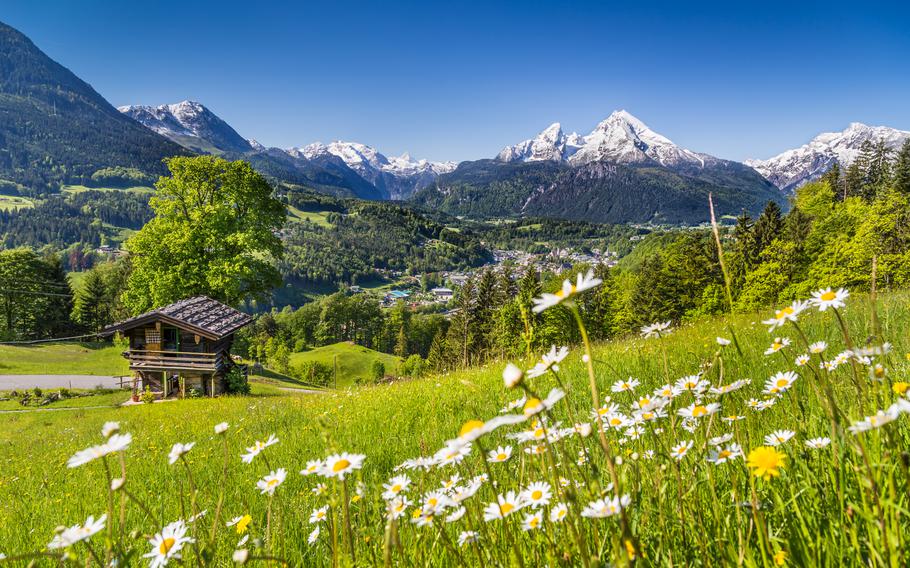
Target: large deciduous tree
215,232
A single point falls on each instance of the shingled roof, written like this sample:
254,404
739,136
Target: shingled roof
200,314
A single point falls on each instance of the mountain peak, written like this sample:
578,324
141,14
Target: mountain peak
792,168
190,124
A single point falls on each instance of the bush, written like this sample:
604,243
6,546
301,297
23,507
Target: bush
413,366
194,392
147,396
377,370
314,373
235,382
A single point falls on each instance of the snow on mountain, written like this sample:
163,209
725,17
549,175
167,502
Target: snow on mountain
620,138
399,176
550,145
190,124
792,168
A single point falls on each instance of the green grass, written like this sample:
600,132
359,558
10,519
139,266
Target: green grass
319,218
828,507
63,359
354,361
101,398
14,203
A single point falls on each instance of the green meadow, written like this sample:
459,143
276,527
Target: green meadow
352,361
842,505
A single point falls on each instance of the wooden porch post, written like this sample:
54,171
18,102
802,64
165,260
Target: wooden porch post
164,382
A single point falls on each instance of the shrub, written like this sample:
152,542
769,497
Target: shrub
235,382
413,366
377,370
147,396
314,373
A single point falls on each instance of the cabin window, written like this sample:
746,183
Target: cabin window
152,336
171,337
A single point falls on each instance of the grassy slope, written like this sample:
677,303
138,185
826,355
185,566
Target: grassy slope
14,203
387,423
354,361
63,359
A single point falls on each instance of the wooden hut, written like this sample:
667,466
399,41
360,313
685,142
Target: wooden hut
183,346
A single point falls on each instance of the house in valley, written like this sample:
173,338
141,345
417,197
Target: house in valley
185,345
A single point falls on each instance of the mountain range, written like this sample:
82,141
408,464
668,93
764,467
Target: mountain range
55,129
792,168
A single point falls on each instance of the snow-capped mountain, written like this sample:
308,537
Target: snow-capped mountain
551,145
399,176
621,138
191,125
789,170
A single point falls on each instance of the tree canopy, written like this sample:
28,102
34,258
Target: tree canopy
215,232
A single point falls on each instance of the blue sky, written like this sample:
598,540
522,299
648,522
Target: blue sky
459,80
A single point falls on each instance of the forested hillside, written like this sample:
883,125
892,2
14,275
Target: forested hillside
55,129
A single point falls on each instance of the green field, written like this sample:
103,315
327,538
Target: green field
319,218
63,359
14,203
354,361
843,505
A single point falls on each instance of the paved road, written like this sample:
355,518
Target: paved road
10,382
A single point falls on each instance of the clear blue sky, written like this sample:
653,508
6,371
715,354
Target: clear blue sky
459,80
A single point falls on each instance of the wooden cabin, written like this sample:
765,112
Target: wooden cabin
183,346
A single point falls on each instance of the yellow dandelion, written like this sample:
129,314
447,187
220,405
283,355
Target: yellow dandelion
766,462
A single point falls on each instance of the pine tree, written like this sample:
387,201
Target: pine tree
902,169
91,308
832,177
437,358
483,308
461,333
768,227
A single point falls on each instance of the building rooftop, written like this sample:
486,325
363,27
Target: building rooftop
200,314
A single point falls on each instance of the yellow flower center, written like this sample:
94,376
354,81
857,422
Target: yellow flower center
782,382
166,545
501,457
534,522
396,488
781,314
615,421
536,495
724,454
272,482
560,293
699,411
506,508
341,465
243,523
828,296
561,513
469,427
531,405
900,387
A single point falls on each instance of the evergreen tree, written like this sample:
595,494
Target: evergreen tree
832,177
482,316
461,334
437,358
768,227
902,169
92,309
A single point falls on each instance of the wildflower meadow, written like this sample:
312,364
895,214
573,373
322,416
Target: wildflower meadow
756,440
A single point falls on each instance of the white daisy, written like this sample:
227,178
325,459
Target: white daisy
606,507
221,427
468,537
270,482
568,291
785,314
655,329
779,437
827,298
257,448
537,494
512,376
339,465
532,521
500,454
548,361
817,443
319,515
504,506
312,467
179,450
167,544
680,450
558,512
77,533
110,428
